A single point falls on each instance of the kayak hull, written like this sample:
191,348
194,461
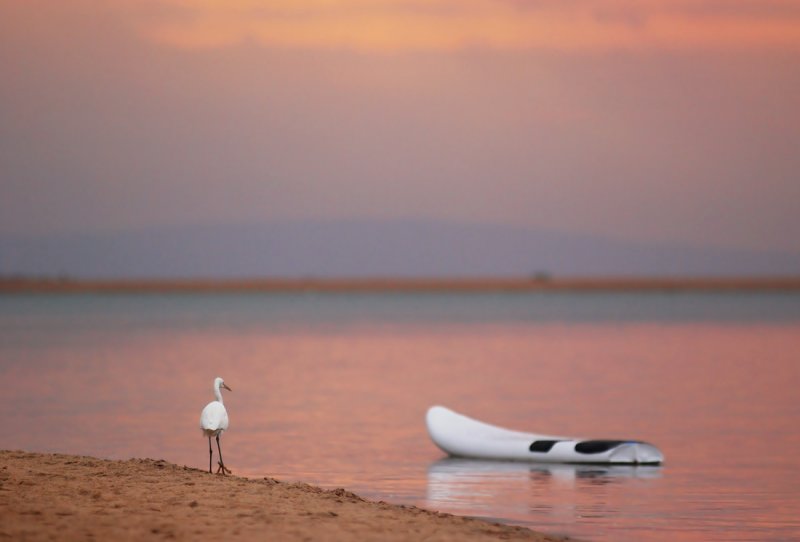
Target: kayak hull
461,436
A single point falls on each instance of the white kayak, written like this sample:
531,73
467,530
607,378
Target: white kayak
461,436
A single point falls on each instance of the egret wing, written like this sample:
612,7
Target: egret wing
214,417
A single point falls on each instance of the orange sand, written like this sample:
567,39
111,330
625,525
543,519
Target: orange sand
55,496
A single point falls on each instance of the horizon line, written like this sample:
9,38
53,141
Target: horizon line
542,282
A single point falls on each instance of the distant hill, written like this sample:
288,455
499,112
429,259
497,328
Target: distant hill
369,249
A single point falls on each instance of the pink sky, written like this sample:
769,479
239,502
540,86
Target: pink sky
669,121
449,25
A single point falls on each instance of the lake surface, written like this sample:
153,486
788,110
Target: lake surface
332,389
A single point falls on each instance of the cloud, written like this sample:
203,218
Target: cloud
448,25
104,130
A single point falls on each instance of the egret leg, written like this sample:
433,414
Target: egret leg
210,454
221,462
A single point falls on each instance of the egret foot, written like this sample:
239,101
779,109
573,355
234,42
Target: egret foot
222,468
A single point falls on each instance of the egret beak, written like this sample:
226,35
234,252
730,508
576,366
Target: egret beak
226,387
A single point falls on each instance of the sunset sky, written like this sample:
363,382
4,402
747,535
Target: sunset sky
665,121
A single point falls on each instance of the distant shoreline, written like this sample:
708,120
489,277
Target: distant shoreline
11,285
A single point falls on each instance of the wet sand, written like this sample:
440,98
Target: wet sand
64,497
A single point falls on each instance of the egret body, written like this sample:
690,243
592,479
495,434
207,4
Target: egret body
213,421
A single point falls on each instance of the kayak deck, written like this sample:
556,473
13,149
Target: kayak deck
461,436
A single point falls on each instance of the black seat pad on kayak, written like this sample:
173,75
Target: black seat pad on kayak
542,445
597,446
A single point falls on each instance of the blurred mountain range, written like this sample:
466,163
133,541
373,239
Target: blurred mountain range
331,249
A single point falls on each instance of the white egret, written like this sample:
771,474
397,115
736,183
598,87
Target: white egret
213,421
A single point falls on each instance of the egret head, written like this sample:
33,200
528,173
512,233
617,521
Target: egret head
219,383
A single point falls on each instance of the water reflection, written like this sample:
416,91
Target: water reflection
543,495
453,481
344,406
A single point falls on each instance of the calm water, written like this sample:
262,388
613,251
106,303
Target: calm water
332,389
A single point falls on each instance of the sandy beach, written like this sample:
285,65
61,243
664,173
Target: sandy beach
64,497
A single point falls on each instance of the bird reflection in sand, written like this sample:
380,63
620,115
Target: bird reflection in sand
487,486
